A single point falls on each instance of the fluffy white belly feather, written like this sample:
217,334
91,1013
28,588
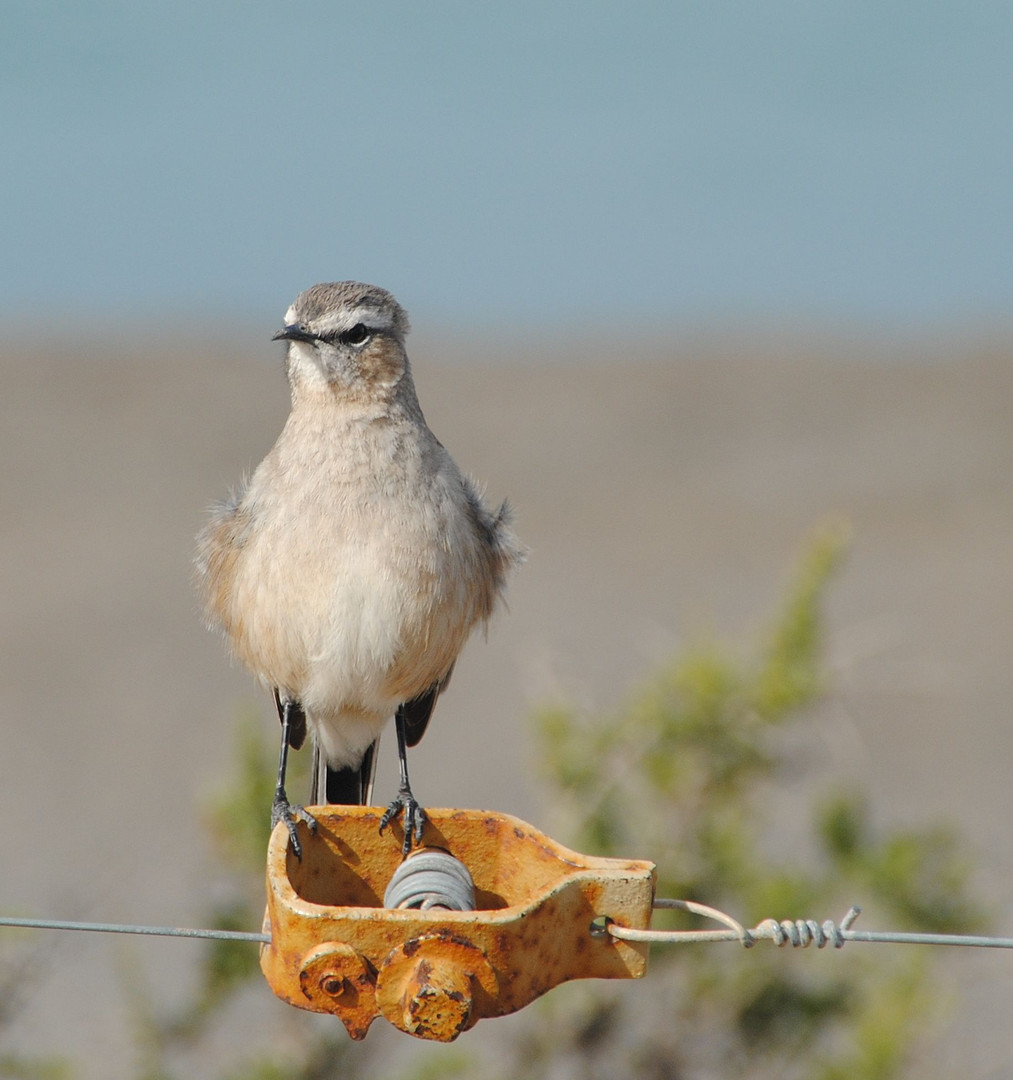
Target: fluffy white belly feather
355,641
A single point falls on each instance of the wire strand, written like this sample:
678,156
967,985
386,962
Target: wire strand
799,933
120,928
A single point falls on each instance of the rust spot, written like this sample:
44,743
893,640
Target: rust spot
447,934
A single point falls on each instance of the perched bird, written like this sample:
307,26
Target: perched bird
350,569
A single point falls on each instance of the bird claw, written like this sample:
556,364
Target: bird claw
291,814
413,818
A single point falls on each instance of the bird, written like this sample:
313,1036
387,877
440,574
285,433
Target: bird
348,571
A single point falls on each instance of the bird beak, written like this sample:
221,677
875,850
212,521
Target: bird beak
293,332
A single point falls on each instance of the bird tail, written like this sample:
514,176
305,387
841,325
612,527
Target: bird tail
351,785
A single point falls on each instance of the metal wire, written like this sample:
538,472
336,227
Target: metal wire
120,928
799,933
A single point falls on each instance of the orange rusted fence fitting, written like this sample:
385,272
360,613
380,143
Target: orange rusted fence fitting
335,948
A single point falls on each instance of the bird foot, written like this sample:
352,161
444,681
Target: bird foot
291,814
413,818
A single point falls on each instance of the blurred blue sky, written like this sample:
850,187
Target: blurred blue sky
535,162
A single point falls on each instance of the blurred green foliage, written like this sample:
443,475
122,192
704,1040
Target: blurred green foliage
683,773
21,955
33,1068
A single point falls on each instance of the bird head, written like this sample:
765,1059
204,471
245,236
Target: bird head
346,335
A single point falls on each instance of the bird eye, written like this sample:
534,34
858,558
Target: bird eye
358,335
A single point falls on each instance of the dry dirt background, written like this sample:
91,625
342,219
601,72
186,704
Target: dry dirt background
664,491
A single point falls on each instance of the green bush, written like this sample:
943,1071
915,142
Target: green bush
681,774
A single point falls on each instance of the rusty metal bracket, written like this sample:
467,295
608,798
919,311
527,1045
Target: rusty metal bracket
334,948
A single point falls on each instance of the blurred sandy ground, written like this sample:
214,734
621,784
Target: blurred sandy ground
664,490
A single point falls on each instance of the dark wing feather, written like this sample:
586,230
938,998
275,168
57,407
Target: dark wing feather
296,721
418,711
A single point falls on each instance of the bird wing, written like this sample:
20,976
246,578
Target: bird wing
418,711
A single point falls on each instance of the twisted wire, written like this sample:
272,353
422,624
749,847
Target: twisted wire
799,933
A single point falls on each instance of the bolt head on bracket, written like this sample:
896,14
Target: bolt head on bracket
428,986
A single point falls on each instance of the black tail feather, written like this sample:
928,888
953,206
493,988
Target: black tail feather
349,786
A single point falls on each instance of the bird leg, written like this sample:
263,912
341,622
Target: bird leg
281,808
405,803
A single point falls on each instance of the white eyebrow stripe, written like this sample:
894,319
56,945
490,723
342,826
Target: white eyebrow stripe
346,318
371,317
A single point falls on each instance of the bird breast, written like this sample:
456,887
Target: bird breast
355,586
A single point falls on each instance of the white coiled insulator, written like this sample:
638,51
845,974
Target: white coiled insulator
431,878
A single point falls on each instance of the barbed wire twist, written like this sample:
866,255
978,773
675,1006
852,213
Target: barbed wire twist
799,933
